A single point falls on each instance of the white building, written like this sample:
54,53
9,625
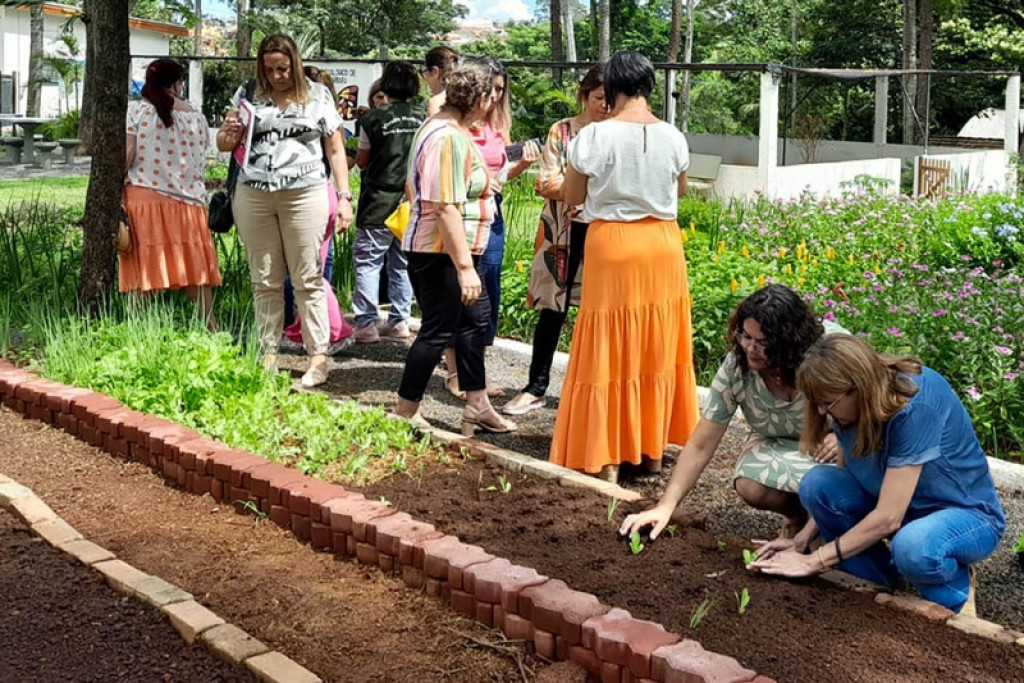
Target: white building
146,38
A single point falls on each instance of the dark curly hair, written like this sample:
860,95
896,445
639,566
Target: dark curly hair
787,322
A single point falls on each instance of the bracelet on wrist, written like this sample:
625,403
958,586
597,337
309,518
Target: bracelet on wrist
345,194
839,552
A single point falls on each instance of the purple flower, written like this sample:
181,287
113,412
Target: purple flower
1010,376
829,316
1004,350
973,392
959,336
894,331
829,303
940,312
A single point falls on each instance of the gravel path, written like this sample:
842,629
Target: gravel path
371,373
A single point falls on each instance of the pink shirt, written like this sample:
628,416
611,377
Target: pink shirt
491,144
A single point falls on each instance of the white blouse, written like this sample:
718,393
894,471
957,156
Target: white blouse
171,161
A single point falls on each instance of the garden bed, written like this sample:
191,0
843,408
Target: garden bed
565,533
344,621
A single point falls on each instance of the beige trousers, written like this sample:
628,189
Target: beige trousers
282,232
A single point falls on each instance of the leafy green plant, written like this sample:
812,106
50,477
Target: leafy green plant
702,611
635,545
1019,548
504,484
721,546
671,529
251,507
749,556
613,504
743,600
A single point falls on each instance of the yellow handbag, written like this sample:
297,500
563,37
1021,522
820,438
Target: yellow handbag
398,221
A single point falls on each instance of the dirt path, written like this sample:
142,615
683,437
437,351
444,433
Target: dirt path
342,621
55,610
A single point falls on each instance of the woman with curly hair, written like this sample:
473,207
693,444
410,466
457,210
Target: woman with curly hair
768,334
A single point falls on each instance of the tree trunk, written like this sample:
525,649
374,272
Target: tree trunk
243,32
675,28
909,62
109,19
570,31
35,59
925,38
605,37
88,83
684,103
557,50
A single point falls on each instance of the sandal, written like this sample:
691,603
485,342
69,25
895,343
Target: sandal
486,419
451,383
524,402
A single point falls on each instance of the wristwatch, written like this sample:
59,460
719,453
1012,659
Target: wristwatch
345,194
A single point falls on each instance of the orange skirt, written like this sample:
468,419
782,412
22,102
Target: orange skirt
630,387
171,244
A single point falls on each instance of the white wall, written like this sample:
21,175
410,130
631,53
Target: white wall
14,53
742,149
978,172
789,182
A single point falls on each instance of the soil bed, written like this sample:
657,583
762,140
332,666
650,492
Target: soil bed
791,631
343,621
56,611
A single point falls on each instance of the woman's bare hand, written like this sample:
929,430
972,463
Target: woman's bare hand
469,283
828,450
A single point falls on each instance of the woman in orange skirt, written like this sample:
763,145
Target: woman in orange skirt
630,388
165,194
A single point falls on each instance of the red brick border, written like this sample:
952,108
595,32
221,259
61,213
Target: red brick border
562,623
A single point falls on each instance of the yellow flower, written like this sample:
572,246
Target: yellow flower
814,263
850,260
830,253
878,269
800,282
803,268
721,247
760,281
789,269
745,252
682,235
519,267
782,252
693,229
714,259
733,285
800,252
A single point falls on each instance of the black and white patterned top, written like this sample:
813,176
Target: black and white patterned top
287,152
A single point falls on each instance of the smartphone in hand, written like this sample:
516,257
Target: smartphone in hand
515,150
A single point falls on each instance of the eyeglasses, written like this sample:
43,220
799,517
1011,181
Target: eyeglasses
828,408
747,341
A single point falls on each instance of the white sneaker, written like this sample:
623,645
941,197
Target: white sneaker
314,377
399,330
367,334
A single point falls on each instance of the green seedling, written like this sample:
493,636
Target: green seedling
504,485
635,546
715,575
1019,548
671,529
260,515
742,600
613,504
721,546
702,611
749,556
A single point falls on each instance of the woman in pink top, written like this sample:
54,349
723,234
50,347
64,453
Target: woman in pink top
491,135
165,194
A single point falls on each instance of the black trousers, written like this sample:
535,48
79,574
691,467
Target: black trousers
549,326
446,323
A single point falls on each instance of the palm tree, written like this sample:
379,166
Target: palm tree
35,58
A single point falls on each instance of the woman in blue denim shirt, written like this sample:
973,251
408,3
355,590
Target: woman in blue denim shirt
913,473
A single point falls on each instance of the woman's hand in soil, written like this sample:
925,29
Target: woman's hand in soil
787,563
656,518
766,549
828,451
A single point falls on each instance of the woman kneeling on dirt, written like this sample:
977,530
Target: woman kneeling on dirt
914,473
768,334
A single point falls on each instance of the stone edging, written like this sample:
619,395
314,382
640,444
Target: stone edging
193,621
561,623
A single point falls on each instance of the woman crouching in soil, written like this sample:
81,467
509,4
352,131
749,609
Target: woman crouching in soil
768,334
914,473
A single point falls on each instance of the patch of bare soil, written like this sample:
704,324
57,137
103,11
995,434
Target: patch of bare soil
343,621
791,631
55,610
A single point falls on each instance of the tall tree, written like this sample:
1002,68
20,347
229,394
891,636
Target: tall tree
243,30
35,58
109,66
604,49
909,62
557,51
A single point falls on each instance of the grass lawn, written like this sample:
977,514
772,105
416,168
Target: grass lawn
63,191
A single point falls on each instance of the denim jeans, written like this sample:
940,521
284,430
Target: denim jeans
369,250
932,552
490,270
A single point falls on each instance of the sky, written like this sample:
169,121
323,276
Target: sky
499,10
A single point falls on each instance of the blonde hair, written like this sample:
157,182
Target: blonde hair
500,116
839,364
281,44
465,85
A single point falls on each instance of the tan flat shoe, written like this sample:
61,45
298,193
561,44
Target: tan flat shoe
487,419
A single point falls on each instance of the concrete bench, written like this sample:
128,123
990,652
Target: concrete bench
44,155
13,147
69,145
703,173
